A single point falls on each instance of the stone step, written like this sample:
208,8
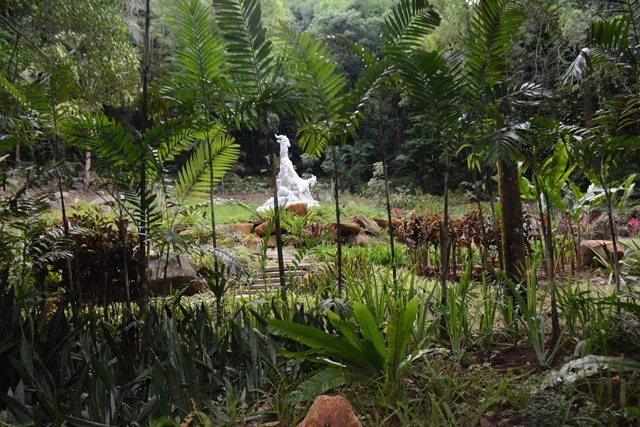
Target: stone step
301,266
273,279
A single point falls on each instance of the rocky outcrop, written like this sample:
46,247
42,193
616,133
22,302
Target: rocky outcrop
332,411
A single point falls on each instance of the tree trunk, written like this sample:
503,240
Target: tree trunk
513,245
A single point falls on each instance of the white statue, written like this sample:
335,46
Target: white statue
291,188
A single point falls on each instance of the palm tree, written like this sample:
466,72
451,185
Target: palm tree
255,76
431,82
491,104
612,43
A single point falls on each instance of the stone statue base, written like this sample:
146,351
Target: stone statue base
284,202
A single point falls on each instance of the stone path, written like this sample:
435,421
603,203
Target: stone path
271,279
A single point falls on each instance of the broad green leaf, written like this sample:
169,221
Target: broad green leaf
320,383
341,349
369,330
398,335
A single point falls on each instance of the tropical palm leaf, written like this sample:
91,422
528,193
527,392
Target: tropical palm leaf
410,23
491,35
431,83
105,137
254,69
201,55
212,145
321,109
506,144
166,140
249,52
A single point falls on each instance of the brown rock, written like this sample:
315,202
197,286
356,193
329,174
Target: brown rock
332,411
382,222
347,228
242,229
369,225
261,229
589,249
254,241
298,208
397,222
180,272
358,240
272,243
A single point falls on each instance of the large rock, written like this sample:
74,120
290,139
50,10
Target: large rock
358,240
298,208
242,229
370,226
332,411
382,222
180,271
589,249
347,228
261,229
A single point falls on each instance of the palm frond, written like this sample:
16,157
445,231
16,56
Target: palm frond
106,137
506,144
313,66
611,41
410,23
201,53
374,76
491,35
429,82
194,179
249,52
167,139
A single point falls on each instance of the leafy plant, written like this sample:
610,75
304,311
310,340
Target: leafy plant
357,358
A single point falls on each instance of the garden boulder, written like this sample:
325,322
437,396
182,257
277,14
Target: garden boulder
347,228
332,411
589,249
358,240
298,208
242,229
370,226
261,229
180,272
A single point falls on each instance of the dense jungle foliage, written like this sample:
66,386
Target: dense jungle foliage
478,145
